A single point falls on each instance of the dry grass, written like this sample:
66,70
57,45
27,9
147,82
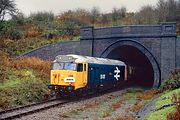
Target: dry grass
32,32
105,114
176,114
4,59
117,105
91,105
4,63
123,118
148,95
135,108
40,66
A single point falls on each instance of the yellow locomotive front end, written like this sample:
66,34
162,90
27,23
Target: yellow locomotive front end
67,76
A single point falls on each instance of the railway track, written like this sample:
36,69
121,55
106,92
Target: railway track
36,107
29,109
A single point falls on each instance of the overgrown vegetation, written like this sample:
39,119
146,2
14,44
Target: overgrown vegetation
23,81
165,108
168,104
21,34
173,82
176,114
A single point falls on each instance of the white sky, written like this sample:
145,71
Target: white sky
58,6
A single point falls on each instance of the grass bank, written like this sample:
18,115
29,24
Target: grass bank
22,81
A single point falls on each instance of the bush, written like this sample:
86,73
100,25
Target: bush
15,34
41,67
4,62
10,31
21,87
25,80
173,82
176,114
50,34
42,16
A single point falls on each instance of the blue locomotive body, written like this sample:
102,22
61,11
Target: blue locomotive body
103,76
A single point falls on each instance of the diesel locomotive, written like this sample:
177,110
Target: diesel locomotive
76,74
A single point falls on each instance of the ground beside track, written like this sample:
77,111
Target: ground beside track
124,104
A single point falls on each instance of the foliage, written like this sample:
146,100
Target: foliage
18,47
42,16
21,87
176,114
148,95
164,99
21,34
24,80
39,66
4,63
173,82
7,7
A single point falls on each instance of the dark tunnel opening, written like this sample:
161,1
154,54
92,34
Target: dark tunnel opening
142,72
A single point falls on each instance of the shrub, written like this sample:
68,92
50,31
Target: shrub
176,114
148,95
173,82
21,87
25,80
33,31
4,62
50,34
15,34
40,66
42,16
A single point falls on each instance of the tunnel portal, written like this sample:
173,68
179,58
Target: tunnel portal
142,66
141,69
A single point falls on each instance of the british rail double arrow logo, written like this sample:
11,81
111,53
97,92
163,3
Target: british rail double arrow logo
117,73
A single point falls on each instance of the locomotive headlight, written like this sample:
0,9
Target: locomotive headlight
70,75
69,79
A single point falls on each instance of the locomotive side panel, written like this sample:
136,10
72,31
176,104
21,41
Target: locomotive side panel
105,76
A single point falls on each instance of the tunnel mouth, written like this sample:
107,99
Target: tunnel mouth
141,72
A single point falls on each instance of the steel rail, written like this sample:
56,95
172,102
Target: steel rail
29,109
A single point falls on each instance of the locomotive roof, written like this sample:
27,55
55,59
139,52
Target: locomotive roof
86,59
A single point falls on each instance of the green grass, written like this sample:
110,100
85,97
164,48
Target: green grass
161,114
21,87
164,99
132,93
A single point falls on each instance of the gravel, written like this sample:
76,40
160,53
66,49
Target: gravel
108,106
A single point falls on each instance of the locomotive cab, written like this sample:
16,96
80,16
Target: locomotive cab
67,75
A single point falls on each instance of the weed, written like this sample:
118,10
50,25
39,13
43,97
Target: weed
175,115
116,105
38,65
23,81
105,114
173,82
164,99
91,105
148,95
124,118
4,62
135,108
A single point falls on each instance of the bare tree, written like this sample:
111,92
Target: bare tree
162,11
172,10
146,15
7,7
118,14
95,14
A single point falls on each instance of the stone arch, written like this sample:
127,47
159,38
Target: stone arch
137,55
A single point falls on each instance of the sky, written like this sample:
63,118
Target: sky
59,6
